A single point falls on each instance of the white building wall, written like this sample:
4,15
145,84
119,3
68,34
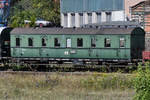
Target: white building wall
118,16
68,21
65,22
62,19
77,20
73,19
94,17
103,15
85,18
81,19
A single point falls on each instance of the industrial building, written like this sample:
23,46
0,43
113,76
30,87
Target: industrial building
141,13
75,13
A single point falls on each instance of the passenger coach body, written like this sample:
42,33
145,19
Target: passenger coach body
112,44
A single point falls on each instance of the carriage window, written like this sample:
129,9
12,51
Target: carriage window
57,42
93,42
68,42
79,42
43,42
107,42
7,42
17,41
122,42
30,42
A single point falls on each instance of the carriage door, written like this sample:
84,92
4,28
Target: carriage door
68,45
122,50
93,53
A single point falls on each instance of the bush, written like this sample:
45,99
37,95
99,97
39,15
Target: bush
142,83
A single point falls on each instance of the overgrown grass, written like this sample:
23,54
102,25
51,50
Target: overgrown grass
108,81
66,87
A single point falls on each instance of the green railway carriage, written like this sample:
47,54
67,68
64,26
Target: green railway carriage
109,44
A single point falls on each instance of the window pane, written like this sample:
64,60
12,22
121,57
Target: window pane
122,42
68,43
30,42
17,41
43,42
56,42
107,42
93,42
7,42
79,42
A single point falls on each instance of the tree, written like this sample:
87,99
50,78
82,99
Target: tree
33,10
142,83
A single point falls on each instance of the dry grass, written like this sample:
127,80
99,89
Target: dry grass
63,87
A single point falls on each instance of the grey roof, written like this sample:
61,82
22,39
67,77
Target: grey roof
71,31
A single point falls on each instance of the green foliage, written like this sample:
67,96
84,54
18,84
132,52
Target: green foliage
142,82
18,67
33,10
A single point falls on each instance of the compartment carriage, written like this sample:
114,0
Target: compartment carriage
121,45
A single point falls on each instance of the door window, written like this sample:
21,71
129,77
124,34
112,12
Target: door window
68,42
107,42
122,42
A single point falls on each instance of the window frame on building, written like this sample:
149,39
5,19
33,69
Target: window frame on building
89,18
99,17
108,16
81,18
65,19
73,19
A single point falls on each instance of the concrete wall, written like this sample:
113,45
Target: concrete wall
71,22
118,16
67,21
